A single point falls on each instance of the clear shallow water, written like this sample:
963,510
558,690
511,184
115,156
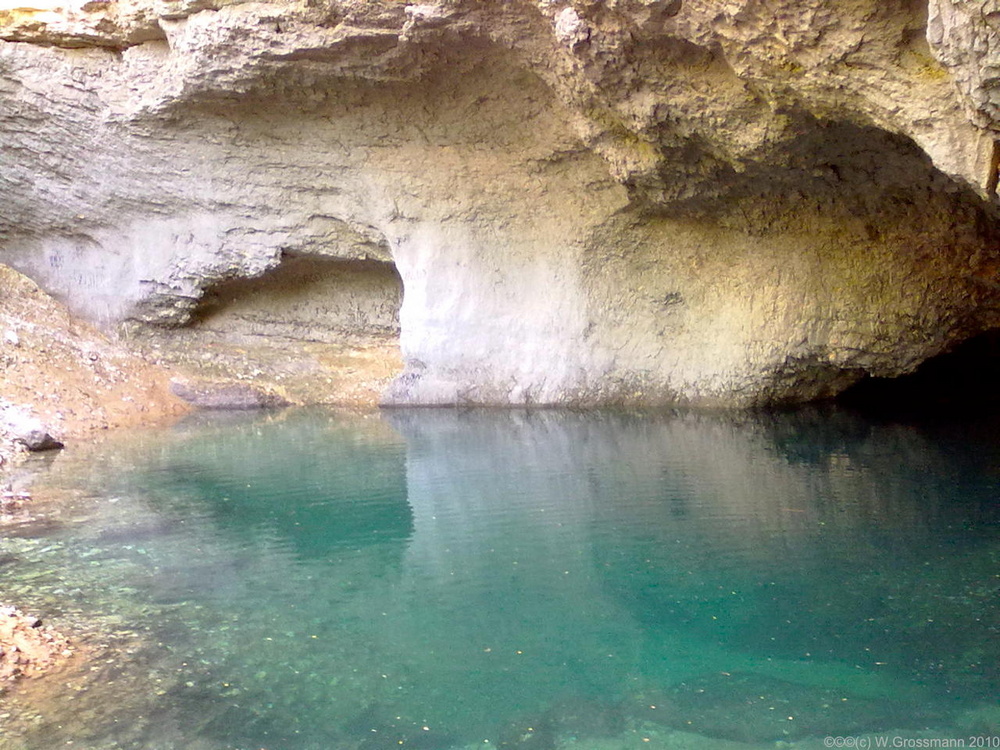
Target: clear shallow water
440,579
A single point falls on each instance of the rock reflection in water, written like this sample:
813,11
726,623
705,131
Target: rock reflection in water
318,580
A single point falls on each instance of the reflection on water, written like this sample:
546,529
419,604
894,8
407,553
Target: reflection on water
547,579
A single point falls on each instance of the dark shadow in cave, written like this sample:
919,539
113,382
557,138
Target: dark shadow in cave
961,383
829,167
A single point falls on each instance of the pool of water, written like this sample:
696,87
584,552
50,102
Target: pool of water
442,579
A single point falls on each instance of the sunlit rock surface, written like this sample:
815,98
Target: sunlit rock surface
585,202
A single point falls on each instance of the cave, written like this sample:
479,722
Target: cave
307,298
587,208
661,229
316,329
959,383
623,217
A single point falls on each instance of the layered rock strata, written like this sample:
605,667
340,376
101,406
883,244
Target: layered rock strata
630,201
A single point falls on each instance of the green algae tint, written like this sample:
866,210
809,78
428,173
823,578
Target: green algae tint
439,579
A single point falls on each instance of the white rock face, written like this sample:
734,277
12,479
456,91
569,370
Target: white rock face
965,37
21,428
631,201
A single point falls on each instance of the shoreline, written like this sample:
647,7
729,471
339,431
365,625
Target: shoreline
65,379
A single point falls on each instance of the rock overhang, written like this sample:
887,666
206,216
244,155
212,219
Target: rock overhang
587,202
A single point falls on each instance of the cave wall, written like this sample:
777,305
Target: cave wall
586,202
307,299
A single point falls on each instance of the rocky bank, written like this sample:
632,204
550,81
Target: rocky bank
714,202
27,646
62,378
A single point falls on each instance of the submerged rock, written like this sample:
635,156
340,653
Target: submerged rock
379,728
748,707
226,396
587,717
38,440
528,733
28,648
981,722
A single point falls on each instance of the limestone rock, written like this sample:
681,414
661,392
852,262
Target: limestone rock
64,378
638,201
226,396
20,427
965,37
27,647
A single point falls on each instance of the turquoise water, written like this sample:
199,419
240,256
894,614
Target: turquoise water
440,579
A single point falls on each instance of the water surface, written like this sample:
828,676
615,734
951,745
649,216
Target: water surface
443,579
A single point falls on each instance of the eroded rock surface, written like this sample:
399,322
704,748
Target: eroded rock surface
639,201
60,378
